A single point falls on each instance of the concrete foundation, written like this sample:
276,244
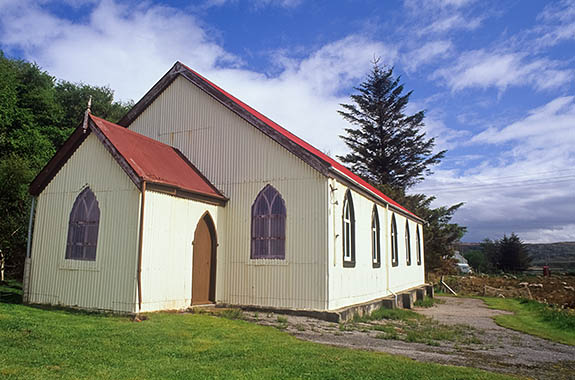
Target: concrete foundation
406,300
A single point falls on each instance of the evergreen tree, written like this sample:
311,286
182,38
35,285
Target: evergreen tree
491,251
508,254
388,147
514,256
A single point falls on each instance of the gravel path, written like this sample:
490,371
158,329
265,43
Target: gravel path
503,349
500,349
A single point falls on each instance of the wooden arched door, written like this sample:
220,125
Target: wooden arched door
204,262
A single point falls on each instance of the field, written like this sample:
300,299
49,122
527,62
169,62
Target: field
557,290
38,343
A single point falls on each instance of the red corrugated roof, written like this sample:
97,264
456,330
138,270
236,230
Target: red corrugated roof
154,161
336,165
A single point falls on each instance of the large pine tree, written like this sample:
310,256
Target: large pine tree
391,151
389,147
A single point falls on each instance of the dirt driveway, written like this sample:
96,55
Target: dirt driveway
496,348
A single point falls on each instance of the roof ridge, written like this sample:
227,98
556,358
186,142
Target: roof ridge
129,131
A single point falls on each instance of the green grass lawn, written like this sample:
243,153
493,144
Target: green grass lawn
535,318
38,343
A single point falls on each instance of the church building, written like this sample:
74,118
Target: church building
195,198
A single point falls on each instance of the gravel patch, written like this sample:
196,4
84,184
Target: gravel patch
496,349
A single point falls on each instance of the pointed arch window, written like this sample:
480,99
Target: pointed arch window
394,252
375,239
268,225
348,233
83,227
418,245
407,244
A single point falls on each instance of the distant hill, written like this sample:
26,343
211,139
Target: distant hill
556,255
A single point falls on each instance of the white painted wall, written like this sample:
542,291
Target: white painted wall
109,283
169,226
349,286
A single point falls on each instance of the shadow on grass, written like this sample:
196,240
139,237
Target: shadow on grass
10,297
10,292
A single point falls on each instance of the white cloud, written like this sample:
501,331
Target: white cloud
282,3
426,54
556,118
416,5
128,48
442,16
557,23
255,3
528,188
309,87
482,69
451,22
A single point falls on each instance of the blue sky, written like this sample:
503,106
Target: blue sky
497,80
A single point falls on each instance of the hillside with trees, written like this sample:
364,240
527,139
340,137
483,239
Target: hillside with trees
559,256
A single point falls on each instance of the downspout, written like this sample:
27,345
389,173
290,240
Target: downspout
29,241
332,208
28,261
140,245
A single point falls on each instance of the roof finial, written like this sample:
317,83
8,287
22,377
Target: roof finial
88,112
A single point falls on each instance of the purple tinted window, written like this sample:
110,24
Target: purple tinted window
83,227
268,225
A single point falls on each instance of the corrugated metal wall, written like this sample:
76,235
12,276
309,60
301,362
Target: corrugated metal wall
109,283
169,226
240,161
348,286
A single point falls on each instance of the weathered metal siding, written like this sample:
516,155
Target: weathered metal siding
109,283
169,226
240,160
348,286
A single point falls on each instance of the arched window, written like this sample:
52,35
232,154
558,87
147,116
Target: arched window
83,227
407,244
375,242
394,253
418,242
268,225
348,226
